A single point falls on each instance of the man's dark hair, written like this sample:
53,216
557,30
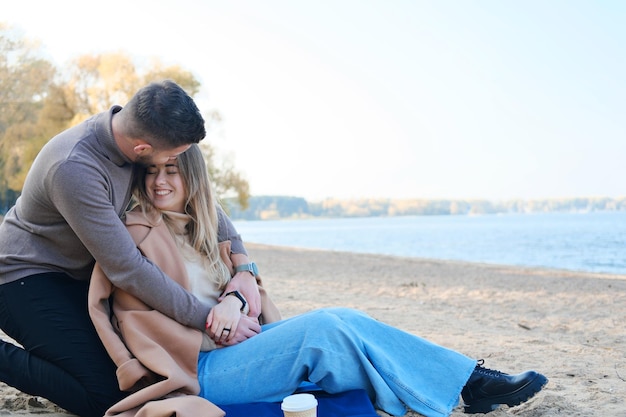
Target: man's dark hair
164,112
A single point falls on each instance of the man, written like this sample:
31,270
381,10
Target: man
68,216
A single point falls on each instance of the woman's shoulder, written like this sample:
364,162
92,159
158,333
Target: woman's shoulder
139,216
139,224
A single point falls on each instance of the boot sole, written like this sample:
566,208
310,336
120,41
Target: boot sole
525,393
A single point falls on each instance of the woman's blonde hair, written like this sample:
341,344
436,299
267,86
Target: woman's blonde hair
201,206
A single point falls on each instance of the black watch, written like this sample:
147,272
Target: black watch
251,267
238,295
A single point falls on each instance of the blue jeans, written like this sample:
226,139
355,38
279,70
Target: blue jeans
338,349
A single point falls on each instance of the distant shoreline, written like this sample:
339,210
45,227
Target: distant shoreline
276,207
287,207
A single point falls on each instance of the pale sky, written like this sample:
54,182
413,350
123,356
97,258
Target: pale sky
389,98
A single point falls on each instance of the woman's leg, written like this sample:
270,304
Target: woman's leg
63,359
338,349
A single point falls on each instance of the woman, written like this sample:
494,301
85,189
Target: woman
338,349
176,226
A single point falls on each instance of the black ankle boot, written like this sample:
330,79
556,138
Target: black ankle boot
487,389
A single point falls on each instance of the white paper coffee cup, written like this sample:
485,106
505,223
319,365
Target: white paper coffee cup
299,405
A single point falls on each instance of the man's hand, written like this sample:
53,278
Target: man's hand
248,327
246,284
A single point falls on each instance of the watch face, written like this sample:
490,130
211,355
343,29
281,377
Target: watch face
254,268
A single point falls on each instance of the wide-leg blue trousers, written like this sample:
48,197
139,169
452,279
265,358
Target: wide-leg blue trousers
338,349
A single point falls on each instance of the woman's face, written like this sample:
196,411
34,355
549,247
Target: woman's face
165,188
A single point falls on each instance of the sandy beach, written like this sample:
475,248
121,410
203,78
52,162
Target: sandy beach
568,325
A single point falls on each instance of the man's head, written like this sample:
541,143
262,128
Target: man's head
159,118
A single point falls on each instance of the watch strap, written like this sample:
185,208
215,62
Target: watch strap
251,267
241,298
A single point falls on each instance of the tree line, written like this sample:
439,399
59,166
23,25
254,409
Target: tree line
39,100
284,207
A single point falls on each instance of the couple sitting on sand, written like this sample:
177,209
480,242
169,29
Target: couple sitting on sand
242,351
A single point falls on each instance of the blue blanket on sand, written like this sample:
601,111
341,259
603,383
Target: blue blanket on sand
353,403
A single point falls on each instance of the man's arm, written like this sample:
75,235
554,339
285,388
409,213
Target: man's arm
81,196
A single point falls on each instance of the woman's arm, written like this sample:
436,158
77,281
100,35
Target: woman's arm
129,369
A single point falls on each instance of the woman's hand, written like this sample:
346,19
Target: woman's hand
246,284
223,320
248,327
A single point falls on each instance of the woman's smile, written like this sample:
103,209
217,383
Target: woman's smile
165,187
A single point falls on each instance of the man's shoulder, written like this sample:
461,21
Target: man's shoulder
89,142
74,143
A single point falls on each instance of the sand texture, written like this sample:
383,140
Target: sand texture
570,326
